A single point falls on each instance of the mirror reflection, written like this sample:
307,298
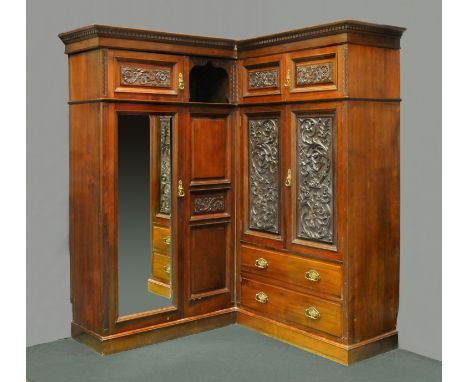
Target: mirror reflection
144,213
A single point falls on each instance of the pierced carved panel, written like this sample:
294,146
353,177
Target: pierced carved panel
165,165
264,174
131,75
208,204
261,79
315,204
314,74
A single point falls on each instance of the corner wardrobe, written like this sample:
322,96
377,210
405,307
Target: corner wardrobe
215,181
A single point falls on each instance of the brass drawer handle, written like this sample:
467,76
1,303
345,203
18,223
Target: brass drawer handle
312,312
167,240
167,269
261,263
312,275
261,297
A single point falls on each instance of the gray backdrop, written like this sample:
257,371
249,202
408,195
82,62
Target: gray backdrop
48,307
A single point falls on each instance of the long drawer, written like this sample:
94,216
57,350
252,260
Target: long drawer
291,307
161,240
313,275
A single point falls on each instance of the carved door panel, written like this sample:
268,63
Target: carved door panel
143,75
321,71
312,191
206,189
263,145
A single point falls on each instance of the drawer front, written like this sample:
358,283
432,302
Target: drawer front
313,275
314,71
161,268
261,77
146,75
292,307
162,240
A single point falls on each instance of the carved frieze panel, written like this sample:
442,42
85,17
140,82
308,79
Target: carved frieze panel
315,196
314,74
132,75
263,79
264,174
165,165
208,204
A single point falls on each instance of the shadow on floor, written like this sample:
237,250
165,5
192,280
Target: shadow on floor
233,353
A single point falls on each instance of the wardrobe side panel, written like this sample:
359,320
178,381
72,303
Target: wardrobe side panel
85,251
373,218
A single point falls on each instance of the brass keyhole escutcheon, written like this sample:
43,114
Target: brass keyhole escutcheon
180,190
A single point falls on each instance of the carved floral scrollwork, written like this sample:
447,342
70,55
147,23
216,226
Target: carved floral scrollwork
315,215
165,165
209,204
314,74
130,75
263,175
261,79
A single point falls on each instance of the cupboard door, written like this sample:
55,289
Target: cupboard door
313,187
262,177
206,193
261,77
140,75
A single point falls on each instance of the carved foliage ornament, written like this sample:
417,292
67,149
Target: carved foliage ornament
209,204
261,79
145,77
315,215
263,175
165,165
314,74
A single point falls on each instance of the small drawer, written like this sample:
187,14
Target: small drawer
313,275
161,268
292,307
162,240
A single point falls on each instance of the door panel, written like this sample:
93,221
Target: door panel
262,178
208,205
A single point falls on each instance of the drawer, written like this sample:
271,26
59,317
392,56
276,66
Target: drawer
146,75
313,275
261,77
161,268
313,71
291,307
162,240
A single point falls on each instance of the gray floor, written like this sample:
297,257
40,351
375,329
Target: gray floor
228,354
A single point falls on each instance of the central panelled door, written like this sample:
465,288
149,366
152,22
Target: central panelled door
206,190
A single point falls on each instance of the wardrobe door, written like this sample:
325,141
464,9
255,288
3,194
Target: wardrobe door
313,187
206,191
263,175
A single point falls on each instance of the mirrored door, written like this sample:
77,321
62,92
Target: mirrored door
144,213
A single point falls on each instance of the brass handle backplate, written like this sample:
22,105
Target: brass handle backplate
261,297
288,180
167,240
261,263
312,312
181,81
167,269
312,275
287,81
180,190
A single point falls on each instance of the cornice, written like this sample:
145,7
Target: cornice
339,27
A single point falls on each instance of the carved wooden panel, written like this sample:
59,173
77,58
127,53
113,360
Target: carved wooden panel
208,204
263,79
315,194
165,165
264,174
138,76
314,74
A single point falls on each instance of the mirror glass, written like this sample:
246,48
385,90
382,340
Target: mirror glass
144,213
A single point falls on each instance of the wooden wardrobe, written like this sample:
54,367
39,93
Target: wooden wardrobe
215,181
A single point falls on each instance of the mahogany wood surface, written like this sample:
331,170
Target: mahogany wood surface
342,79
